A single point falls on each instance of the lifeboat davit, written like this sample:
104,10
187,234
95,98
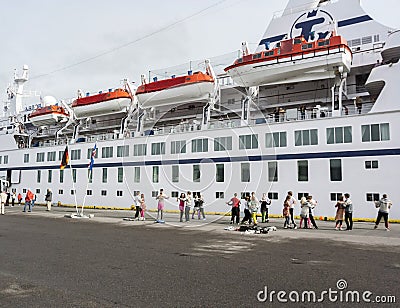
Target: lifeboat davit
111,102
293,60
49,115
176,90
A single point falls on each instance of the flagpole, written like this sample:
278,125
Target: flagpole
73,183
87,186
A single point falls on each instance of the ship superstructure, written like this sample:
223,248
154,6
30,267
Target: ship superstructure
313,110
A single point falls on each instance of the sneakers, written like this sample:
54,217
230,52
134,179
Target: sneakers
341,229
387,229
336,228
375,227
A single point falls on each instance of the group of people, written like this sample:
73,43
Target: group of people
344,211
30,199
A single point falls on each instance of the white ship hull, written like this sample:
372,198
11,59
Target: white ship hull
198,91
292,69
113,106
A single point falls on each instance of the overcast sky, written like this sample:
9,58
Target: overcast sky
51,35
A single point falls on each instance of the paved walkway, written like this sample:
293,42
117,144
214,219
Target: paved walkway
362,233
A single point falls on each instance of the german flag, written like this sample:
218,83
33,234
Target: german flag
65,159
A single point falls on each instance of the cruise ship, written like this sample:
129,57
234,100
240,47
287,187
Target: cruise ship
312,110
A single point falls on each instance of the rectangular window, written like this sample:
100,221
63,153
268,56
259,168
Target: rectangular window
51,156
89,153
158,148
245,172
123,151
375,132
248,141
306,137
154,193
74,175
38,176
178,147
60,155
335,196
273,195
104,178
371,164
90,175
89,192
372,197
273,171
335,169
120,174
49,176
40,157
37,191
219,195
302,170
174,194
75,154
156,174
222,143
175,174
26,158
244,194
107,152
104,193
302,194
277,139
139,150
220,173
200,145
73,191
119,193
339,135
61,176
136,177
1,159
60,191
5,159
196,173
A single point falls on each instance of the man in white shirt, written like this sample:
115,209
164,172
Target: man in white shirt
384,206
292,203
137,205
3,199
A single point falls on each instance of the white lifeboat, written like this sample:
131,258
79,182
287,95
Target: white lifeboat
293,60
111,102
49,115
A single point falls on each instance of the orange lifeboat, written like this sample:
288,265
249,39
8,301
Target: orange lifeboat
49,115
116,101
175,90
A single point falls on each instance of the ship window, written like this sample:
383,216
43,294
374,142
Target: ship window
302,170
120,176
154,193
302,194
297,41
104,177
39,157
156,174
335,170
73,191
248,142
372,196
1,158
240,60
306,137
74,175
123,151
375,132
136,177
269,53
273,195
335,196
174,194
76,154
178,147
49,176
306,46
323,43
376,38
199,145
273,171
244,194
60,192
220,173
61,176
371,164
245,172
90,175
257,56
107,152
37,192
175,174
139,150
5,159
196,173
277,139
366,40
89,153
219,195
60,155
38,176
119,193
51,156
104,192
26,158
158,148
222,143
89,192
339,135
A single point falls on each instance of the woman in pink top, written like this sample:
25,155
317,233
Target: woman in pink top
181,200
142,206
160,206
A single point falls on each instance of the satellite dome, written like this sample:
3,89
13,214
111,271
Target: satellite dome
49,100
